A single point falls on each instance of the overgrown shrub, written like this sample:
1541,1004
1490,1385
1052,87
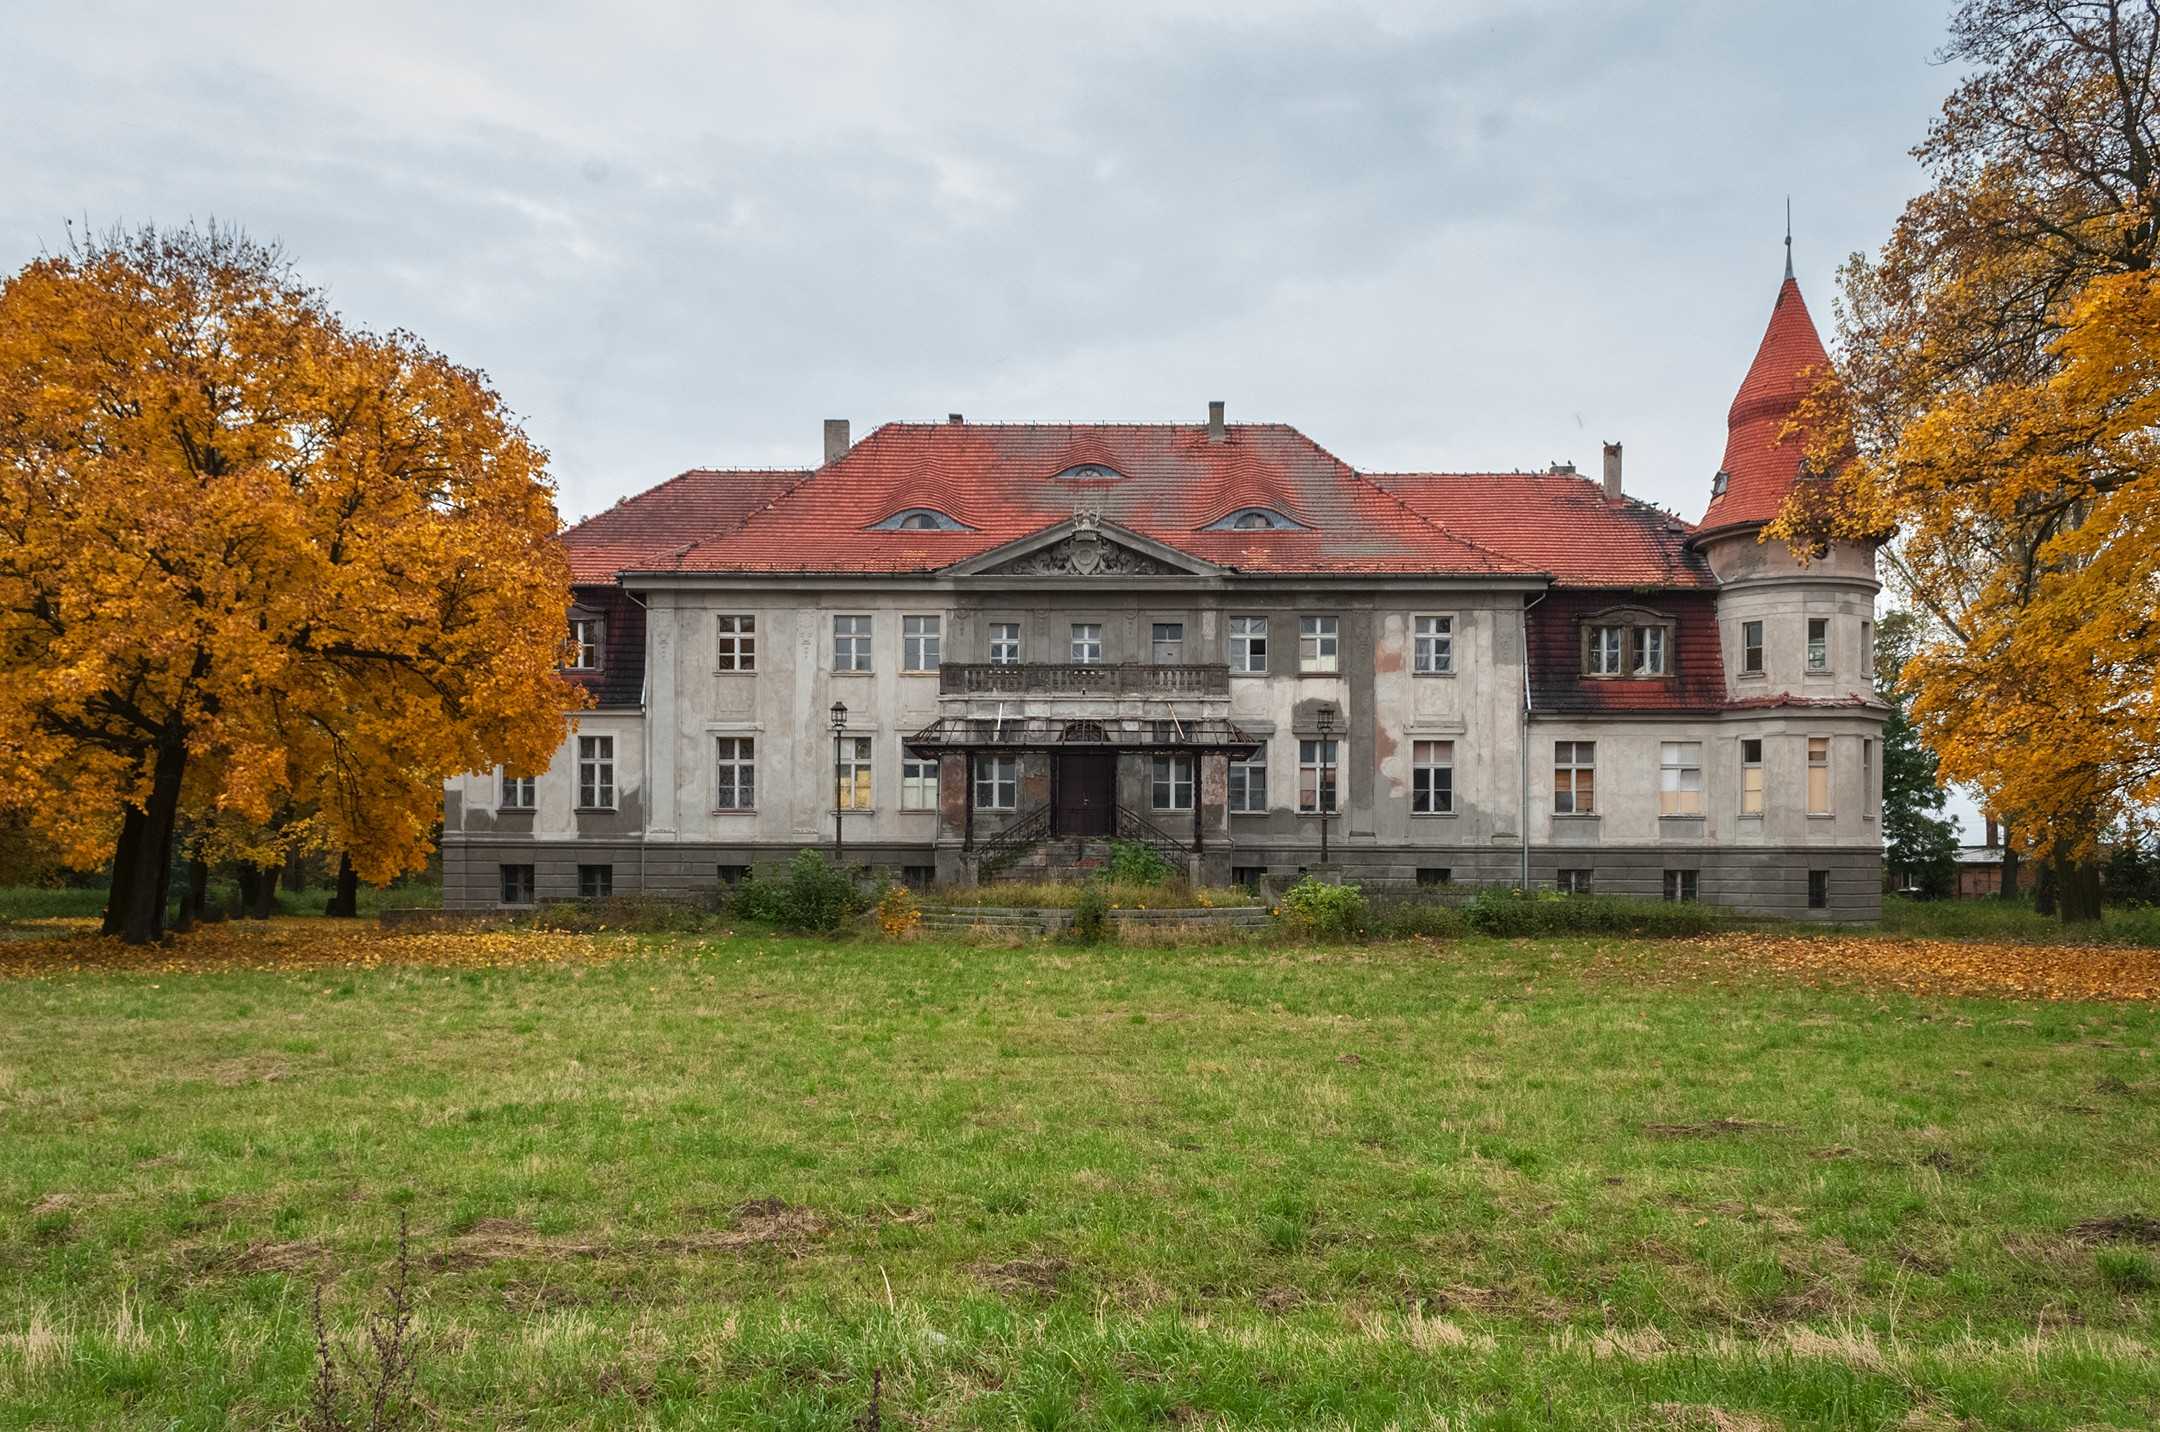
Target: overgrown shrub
1091,914
1314,909
633,914
813,896
1406,917
899,914
1499,911
1134,862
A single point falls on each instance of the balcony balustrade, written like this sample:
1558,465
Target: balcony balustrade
1125,678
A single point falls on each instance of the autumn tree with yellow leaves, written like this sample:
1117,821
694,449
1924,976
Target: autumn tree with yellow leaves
1996,405
254,559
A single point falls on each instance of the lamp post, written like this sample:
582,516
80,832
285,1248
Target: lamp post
1324,723
839,836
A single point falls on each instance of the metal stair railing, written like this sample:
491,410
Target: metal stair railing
1015,840
1131,825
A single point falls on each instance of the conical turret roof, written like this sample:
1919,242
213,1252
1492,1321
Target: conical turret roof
1760,466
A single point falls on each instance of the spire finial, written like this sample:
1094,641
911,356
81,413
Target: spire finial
1788,236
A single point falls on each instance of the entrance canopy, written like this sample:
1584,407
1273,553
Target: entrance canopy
1057,733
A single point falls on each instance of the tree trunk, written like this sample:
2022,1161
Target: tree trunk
2009,866
266,883
2077,895
149,873
346,902
123,870
2044,886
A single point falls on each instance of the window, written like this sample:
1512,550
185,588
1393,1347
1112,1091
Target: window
1248,784
1432,777
1574,781
853,780
1681,884
1253,519
1751,648
1680,785
1317,764
1818,643
1649,651
1248,644
1867,648
585,636
1435,875
997,782
1818,775
1318,644
920,519
1719,481
1818,889
1867,778
736,762
735,643
1087,643
1573,882
1434,650
920,638
918,782
595,882
1168,646
1248,876
517,792
517,884
1005,643
732,874
596,772
851,643
1172,785
1751,778
1606,645
918,877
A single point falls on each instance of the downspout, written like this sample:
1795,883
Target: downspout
1522,747
645,746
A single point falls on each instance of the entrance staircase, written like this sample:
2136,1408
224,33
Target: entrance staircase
1027,850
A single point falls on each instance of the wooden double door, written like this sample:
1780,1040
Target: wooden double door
1085,799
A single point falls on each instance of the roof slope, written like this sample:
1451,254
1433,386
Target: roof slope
1559,523
640,531
1761,469
1166,482
1695,678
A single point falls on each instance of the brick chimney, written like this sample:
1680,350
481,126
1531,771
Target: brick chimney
1216,431
836,439
1612,472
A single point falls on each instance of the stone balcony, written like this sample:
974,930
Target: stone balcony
1119,680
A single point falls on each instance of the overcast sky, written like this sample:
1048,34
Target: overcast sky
1477,235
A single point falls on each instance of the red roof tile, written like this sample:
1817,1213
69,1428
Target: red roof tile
1761,468
642,531
1003,481
1558,523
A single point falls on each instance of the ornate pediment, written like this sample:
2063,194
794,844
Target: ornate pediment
1085,548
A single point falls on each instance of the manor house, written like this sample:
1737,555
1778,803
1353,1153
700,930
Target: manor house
972,650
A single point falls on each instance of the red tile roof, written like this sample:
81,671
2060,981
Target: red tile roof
1760,466
641,531
1169,483
1560,523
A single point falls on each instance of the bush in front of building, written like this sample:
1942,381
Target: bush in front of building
1496,910
1316,910
1091,914
630,914
1415,917
814,896
1135,863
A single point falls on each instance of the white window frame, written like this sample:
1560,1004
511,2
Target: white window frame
1869,803
1820,746
1319,645
922,643
1248,645
516,792
918,782
1004,643
1753,782
1574,880
1248,782
1170,782
1818,652
588,638
1433,645
734,642
596,773
1086,646
853,641
1572,758
1322,757
999,777
1651,651
1867,648
1683,886
1751,652
1157,643
734,773
1432,777
1680,779
1607,650
855,773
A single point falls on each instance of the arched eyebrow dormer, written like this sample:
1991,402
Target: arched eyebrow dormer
1090,472
920,519
1254,519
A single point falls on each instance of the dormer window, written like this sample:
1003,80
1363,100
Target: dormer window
1719,482
1255,519
1636,647
1090,472
585,641
920,519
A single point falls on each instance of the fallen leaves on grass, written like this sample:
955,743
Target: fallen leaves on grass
302,944
1937,967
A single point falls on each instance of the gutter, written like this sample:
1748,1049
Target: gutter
644,746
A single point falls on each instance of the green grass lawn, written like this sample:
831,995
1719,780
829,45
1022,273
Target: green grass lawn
721,1183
